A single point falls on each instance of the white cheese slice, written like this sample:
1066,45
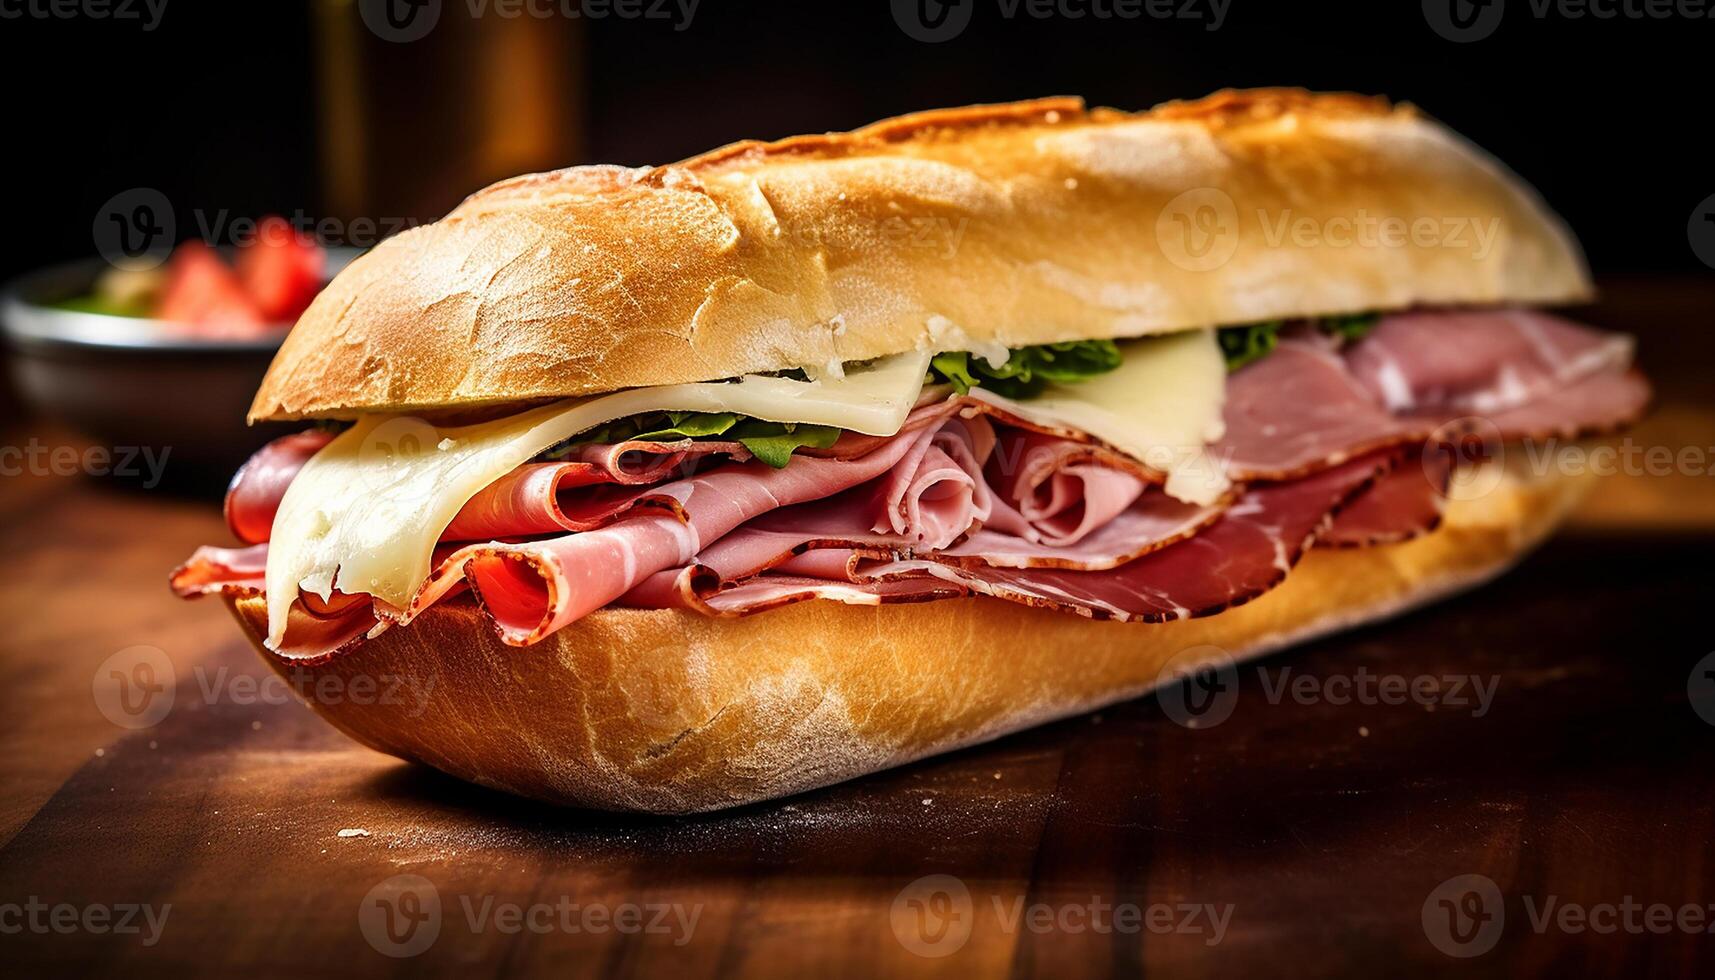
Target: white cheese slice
1161,406
365,512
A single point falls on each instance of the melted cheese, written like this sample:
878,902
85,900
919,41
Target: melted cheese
1161,406
364,514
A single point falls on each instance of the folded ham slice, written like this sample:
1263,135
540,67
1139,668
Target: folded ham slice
1151,522
1055,491
936,492
1248,551
212,571
549,498
1245,553
1298,410
1404,504
1602,402
257,488
821,539
773,591
1517,373
1478,362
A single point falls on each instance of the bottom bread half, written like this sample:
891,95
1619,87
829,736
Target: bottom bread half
670,712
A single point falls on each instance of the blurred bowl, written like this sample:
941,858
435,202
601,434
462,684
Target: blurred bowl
134,381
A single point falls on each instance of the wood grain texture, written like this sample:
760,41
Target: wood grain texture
1324,826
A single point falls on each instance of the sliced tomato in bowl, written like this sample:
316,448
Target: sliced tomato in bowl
282,270
203,290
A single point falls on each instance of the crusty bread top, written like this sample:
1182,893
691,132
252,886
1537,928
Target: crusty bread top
1014,224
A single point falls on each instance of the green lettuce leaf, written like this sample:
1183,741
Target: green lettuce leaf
691,425
775,442
656,427
1028,370
1255,341
771,442
1355,326
1248,343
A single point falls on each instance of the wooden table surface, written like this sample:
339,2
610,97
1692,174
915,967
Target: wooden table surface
1304,837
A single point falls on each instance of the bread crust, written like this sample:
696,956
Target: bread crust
671,712
1015,224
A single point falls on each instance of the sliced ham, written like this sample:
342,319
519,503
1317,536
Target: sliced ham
827,541
532,588
638,461
934,495
930,498
1602,402
1517,374
549,498
774,591
1298,410
536,587
1055,491
1478,362
524,502
819,539
1248,551
1404,504
318,632
217,571
532,498
315,629
1241,556
1150,523
254,495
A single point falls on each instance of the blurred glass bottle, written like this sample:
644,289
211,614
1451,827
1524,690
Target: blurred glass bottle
421,102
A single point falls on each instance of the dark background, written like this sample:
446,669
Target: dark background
224,105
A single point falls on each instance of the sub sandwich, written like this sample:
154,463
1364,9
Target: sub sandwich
682,487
